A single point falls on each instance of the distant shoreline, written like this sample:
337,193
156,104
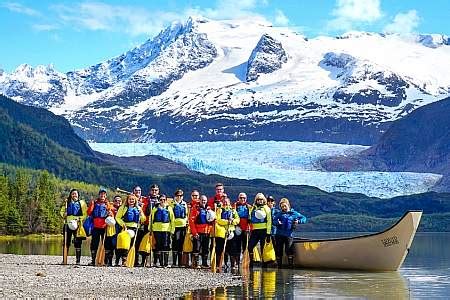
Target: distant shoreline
38,276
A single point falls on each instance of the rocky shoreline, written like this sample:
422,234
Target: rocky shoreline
38,276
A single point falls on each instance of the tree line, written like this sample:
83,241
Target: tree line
30,200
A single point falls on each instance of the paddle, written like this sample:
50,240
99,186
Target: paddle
150,236
132,253
100,257
213,250
222,255
246,254
65,249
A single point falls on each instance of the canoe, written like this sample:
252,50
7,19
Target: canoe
382,251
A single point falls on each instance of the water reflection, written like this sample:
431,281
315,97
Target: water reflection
289,284
39,246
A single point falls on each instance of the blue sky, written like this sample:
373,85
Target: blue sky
76,34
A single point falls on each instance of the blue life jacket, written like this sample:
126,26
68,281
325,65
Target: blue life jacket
74,208
201,218
162,215
226,214
254,219
242,211
131,215
179,210
286,221
100,211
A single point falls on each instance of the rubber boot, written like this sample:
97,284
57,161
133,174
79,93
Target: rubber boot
93,255
136,260
279,262
124,260
117,259
144,259
108,257
291,262
174,259
180,259
195,261
78,255
155,258
233,263
166,258
205,261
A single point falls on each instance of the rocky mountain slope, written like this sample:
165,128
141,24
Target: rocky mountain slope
244,79
419,142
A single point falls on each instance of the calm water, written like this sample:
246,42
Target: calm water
425,274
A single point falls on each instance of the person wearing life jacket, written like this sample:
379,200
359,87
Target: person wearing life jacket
286,220
200,226
273,210
163,226
129,217
227,219
74,214
112,229
99,209
243,230
180,211
153,201
217,199
261,224
142,202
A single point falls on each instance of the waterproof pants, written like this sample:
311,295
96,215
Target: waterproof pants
76,241
201,245
284,243
97,233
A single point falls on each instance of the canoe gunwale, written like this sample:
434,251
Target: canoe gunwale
303,240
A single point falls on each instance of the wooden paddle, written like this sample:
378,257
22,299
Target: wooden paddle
222,255
213,250
246,254
100,257
65,248
148,263
132,253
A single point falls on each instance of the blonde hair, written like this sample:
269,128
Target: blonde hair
130,196
260,196
286,201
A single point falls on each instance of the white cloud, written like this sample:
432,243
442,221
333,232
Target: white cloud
351,13
19,8
228,9
140,21
403,23
101,16
44,27
280,18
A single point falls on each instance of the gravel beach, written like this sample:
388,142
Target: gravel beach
40,276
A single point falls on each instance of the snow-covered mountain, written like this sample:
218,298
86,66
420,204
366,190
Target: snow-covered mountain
244,79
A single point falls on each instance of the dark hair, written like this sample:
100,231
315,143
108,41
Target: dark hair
154,186
71,191
219,184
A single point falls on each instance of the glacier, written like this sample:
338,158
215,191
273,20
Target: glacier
287,163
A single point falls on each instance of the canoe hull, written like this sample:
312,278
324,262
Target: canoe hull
383,251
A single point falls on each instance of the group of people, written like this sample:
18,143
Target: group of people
213,223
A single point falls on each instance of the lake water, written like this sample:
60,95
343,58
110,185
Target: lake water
424,274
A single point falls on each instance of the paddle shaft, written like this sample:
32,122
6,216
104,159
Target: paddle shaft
65,249
222,255
213,251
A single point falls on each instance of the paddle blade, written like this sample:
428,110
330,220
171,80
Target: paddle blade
213,260
100,257
185,259
246,260
65,254
130,257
